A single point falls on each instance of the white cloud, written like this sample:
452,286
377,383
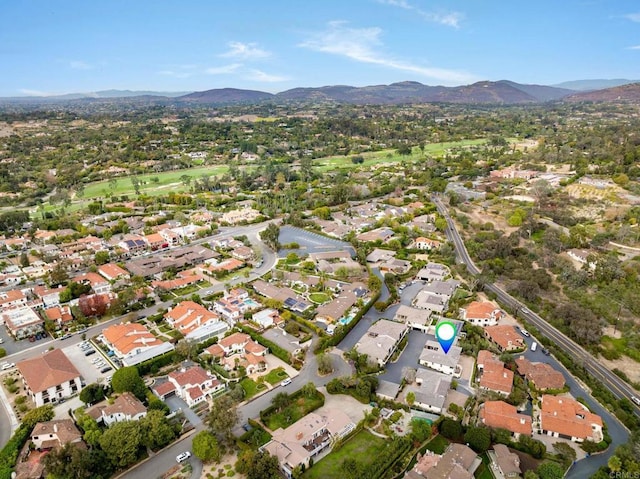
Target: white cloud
175,74
260,76
80,65
635,47
360,44
245,51
634,17
29,92
450,19
224,69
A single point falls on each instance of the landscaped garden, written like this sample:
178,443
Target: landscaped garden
319,298
251,388
287,409
275,376
364,446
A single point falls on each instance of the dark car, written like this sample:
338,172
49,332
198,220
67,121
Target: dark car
105,369
545,351
89,352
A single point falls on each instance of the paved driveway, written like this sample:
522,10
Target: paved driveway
174,402
88,370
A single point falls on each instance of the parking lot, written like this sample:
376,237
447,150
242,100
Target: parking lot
89,371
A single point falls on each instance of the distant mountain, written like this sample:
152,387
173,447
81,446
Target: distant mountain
541,92
502,92
629,93
588,85
225,95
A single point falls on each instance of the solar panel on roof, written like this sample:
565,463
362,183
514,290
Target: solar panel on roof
290,302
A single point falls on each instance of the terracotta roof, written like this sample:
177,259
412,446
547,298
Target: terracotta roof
504,336
542,375
49,370
254,348
215,350
567,416
499,414
189,315
125,337
195,392
235,338
59,313
481,310
192,376
496,377
91,278
164,388
112,271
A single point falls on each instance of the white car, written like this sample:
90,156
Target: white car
183,456
6,366
525,333
636,400
286,382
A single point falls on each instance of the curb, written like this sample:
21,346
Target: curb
12,415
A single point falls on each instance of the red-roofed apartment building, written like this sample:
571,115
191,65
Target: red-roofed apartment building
499,414
192,385
481,313
133,343
567,418
505,337
49,377
494,376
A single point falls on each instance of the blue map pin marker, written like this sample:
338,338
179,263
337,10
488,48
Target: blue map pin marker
446,334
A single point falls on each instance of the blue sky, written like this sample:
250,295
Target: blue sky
63,46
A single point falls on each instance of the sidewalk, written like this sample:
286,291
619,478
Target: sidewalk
7,405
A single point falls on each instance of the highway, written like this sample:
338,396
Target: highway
580,356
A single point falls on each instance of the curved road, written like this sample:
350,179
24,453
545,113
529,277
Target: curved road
613,383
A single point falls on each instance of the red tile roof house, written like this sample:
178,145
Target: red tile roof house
495,377
250,354
541,375
59,314
98,284
481,313
49,377
192,385
113,272
126,407
500,415
505,337
133,343
567,418
188,316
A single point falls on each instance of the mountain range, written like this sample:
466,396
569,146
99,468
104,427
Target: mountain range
484,92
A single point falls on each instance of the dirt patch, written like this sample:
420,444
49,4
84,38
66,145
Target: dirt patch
222,470
626,364
481,215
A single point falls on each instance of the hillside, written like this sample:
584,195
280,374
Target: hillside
628,93
225,95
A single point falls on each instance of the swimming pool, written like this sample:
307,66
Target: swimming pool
345,321
250,303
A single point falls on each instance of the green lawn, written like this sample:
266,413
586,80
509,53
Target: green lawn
438,444
275,376
300,407
251,388
167,181
319,298
364,446
484,470
391,156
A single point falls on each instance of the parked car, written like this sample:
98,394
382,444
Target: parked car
635,400
6,366
286,382
183,456
534,346
545,351
66,336
89,352
525,333
106,369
